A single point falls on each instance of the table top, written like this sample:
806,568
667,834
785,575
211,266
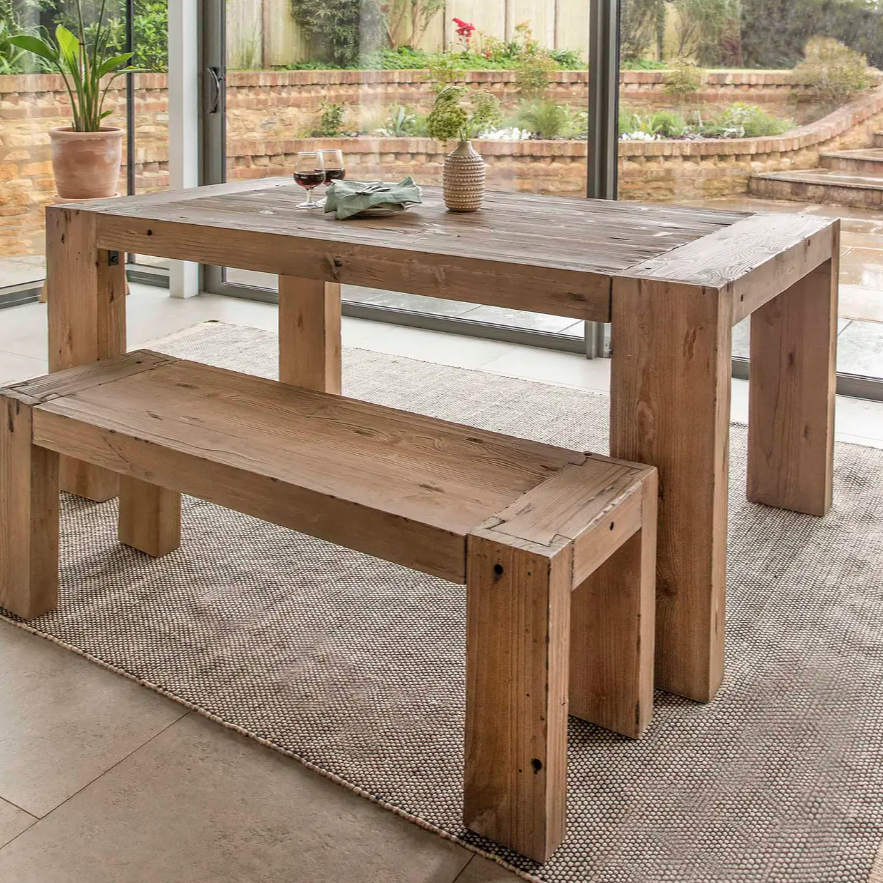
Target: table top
544,253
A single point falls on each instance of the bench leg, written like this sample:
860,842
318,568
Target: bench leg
670,408
150,517
518,630
309,334
612,623
793,379
87,319
28,516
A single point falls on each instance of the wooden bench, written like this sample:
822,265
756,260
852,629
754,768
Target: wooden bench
556,547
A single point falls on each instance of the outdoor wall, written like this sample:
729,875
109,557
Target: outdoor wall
269,112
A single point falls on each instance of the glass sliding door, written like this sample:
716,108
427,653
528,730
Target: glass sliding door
33,101
765,106
290,80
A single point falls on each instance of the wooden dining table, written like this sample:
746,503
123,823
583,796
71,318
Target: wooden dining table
673,282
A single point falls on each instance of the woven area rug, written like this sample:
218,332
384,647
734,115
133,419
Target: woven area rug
356,666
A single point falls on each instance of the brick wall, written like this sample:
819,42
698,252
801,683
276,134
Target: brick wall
268,111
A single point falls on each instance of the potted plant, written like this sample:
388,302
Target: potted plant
460,114
85,155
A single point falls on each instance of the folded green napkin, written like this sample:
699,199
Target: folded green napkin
348,198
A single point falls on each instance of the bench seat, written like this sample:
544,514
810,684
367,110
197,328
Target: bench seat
556,547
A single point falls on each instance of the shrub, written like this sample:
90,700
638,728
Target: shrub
331,121
663,124
744,121
833,72
643,64
710,30
543,119
11,57
402,122
684,79
341,28
533,73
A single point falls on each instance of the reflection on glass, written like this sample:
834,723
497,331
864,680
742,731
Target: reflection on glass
740,104
366,86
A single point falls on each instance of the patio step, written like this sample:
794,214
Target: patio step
821,186
867,162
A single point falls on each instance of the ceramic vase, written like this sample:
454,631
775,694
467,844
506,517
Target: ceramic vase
86,165
464,179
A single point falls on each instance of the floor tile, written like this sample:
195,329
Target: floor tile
434,346
15,367
13,821
856,302
199,803
860,349
520,319
482,870
564,369
65,720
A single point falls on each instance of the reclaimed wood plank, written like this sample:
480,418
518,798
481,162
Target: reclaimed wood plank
670,408
29,513
793,381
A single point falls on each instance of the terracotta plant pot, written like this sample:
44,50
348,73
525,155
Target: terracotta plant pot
86,164
464,179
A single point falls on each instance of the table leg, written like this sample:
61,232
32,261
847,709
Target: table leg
793,379
309,334
517,634
87,319
670,408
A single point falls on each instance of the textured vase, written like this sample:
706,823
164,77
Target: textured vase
86,164
464,179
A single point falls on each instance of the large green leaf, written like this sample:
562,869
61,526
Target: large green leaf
67,42
36,46
110,64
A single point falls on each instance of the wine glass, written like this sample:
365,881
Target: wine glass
309,172
335,170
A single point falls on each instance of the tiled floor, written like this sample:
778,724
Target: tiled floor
103,781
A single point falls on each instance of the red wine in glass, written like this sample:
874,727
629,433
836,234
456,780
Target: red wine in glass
309,180
332,175
309,172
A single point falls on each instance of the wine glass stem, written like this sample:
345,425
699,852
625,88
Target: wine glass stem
310,201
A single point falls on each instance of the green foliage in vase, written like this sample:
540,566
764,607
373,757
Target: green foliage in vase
86,62
459,114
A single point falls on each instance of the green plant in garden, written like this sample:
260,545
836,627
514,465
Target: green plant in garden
545,119
662,123
832,72
341,28
459,114
534,65
409,19
331,121
11,56
710,30
639,28
684,79
444,69
643,64
742,120
86,63
402,122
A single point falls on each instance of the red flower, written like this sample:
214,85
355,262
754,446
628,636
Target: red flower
464,29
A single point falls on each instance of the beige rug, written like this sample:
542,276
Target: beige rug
356,666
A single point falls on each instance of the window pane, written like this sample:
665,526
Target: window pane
367,85
741,104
